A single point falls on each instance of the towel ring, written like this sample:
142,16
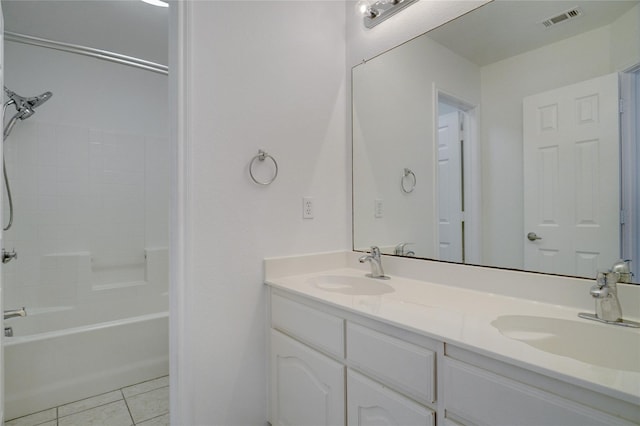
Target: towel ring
403,179
261,157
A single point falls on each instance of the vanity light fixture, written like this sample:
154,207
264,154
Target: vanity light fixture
158,3
376,11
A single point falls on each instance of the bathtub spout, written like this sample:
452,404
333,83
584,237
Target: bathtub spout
12,313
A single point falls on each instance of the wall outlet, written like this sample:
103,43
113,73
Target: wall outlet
307,208
378,208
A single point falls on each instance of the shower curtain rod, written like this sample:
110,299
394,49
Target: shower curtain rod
88,51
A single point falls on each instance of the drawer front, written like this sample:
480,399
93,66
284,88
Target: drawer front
487,398
408,368
369,403
310,325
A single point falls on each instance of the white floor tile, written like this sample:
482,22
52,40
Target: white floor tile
145,386
148,405
113,414
85,404
34,419
157,421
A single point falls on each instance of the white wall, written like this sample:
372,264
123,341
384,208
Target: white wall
89,174
267,75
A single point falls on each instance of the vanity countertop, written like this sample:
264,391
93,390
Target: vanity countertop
467,318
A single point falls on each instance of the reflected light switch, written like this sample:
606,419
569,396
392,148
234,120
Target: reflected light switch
378,210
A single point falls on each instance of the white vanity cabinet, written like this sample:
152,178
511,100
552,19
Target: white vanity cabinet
307,385
321,357
333,366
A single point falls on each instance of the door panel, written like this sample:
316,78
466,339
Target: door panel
307,388
373,404
571,175
450,187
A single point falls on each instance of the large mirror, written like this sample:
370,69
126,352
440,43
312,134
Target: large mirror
497,139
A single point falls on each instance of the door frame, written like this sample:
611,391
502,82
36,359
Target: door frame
629,159
1,231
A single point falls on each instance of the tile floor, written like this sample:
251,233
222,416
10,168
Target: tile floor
144,404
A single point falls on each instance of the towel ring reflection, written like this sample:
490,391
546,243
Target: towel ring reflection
261,157
412,182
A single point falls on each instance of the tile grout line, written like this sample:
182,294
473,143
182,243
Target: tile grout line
58,417
126,403
142,393
151,418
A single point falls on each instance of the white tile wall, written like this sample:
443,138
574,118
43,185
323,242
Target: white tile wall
82,195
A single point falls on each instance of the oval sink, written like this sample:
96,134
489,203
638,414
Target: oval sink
607,346
346,284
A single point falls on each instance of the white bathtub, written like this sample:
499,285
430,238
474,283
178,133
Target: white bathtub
63,354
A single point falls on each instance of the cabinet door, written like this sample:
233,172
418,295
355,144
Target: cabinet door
371,404
307,388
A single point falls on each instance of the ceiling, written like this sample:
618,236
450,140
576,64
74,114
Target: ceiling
502,29
127,27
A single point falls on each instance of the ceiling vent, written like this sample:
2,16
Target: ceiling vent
562,17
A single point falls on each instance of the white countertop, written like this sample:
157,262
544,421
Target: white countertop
463,317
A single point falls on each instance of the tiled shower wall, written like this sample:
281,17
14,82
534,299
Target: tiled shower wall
89,205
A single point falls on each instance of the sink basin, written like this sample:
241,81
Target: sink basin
604,345
346,284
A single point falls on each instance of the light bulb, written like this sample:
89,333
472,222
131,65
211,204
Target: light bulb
158,3
364,7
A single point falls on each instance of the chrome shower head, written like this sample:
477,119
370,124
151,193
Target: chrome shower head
36,101
26,106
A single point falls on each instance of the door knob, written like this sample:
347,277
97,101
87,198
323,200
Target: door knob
532,236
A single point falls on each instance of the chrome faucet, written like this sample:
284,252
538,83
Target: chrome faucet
622,267
605,293
401,250
375,258
12,313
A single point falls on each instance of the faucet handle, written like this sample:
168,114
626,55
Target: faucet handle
598,292
601,277
612,278
375,251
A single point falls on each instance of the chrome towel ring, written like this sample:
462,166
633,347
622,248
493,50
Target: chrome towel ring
262,155
411,178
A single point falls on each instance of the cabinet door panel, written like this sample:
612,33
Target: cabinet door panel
372,404
307,388
490,399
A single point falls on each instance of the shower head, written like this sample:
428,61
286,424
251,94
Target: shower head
26,106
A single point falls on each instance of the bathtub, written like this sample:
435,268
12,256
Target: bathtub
62,354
